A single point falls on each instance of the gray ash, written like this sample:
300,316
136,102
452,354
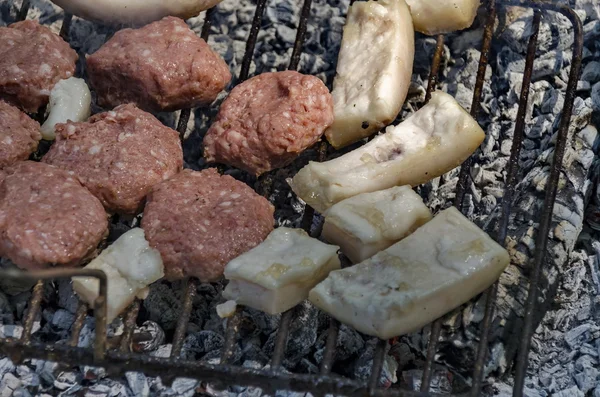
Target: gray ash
564,356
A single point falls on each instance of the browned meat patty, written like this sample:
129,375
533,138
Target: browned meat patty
47,217
199,221
19,135
32,61
160,67
266,121
118,155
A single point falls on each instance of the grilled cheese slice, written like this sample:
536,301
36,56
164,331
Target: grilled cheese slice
277,274
368,223
432,141
440,266
373,71
130,265
439,17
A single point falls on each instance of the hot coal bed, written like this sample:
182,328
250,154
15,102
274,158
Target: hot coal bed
565,348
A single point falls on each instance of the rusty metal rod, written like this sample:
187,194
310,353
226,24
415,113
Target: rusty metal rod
378,358
80,316
22,14
184,317
33,309
65,27
434,72
281,341
330,345
129,325
251,42
548,206
509,190
300,35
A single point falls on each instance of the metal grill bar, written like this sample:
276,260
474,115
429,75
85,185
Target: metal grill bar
184,317
378,358
281,341
464,174
509,191
184,115
434,72
129,326
33,310
251,42
551,188
78,324
330,345
156,366
300,35
66,26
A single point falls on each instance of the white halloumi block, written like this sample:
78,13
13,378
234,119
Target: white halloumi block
439,17
374,69
277,274
130,265
440,266
432,141
368,223
70,99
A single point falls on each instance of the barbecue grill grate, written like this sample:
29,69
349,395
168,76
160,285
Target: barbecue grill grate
121,359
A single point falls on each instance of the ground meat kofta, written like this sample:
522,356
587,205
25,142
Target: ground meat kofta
47,217
161,67
118,155
32,61
199,221
19,135
268,120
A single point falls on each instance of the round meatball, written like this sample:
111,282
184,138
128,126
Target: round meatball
268,120
33,60
47,217
161,67
118,155
199,221
19,135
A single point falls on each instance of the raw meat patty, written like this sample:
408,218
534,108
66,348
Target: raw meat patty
199,221
268,120
118,155
47,217
32,61
161,67
19,135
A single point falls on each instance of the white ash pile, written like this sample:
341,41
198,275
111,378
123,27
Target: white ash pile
566,347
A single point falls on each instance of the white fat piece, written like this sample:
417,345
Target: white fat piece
439,17
130,265
368,223
70,99
432,141
134,12
277,274
442,265
373,71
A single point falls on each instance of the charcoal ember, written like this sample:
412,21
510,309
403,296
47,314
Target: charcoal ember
87,334
305,366
6,366
6,310
138,384
148,337
361,368
48,371
256,321
27,376
348,343
67,379
301,337
62,320
198,344
19,302
12,286
9,384
66,296
21,392
15,331
163,351
106,388
183,387
441,380
251,348
163,305
93,373
402,353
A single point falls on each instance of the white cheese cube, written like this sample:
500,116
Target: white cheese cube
439,17
368,223
432,141
373,71
440,266
277,274
70,99
130,265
